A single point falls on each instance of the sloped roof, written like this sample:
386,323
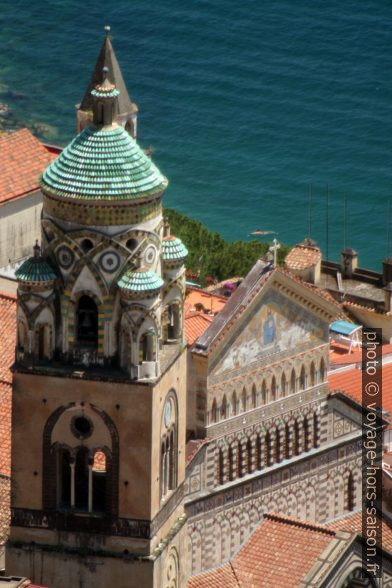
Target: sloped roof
7,353
352,523
302,257
195,325
279,553
23,159
253,283
107,58
173,249
103,164
350,381
210,302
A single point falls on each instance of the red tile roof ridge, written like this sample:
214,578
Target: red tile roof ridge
313,287
364,307
280,518
198,444
8,296
207,293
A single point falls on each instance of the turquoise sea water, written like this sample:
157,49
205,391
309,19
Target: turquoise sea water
246,103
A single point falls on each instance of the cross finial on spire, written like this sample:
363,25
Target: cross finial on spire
37,250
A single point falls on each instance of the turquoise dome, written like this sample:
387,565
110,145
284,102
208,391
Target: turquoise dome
103,164
173,249
140,281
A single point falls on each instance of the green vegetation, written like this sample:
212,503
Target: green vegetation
212,256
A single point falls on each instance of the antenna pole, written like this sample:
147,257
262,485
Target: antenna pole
327,222
389,228
345,222
310,212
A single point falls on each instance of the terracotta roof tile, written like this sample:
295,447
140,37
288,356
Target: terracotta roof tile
339,354
23,159
302,257
195,325
192,448
280,553
211,302
350,381
7,336
352,523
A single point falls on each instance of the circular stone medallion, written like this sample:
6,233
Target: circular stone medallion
150,254
65,257
109,261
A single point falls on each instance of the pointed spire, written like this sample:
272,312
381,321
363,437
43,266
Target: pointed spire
127,109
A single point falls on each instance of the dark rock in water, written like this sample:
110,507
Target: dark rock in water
13,95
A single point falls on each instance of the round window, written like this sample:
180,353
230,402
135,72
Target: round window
81,427
65,257
109,261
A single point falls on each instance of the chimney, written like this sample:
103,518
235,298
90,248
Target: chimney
349,262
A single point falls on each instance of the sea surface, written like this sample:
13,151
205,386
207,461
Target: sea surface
246,104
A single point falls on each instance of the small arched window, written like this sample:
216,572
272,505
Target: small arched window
286,441
224,407
296,439
243,400
322,370
306,435
234,404
87,245
273,388
302,379
174,321
240,464
315,430
87,322
169,445
312,374
283,385
254,396
249,464
99,473
292,381
350,492
258,455
214,412
230,463
264,395
220,467
267,450
147,346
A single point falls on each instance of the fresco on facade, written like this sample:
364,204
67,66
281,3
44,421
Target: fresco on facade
278,324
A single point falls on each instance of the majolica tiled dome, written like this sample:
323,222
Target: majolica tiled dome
173,249
140,281
103,164
35,270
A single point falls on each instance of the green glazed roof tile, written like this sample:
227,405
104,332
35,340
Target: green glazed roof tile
173,249
35,270
140,281
103,164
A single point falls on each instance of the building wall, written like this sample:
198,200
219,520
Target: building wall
19,227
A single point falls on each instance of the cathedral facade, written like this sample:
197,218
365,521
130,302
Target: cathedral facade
105,393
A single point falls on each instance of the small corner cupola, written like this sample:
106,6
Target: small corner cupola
349,262
105,105
35,270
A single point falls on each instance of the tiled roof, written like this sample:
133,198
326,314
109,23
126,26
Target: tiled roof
23,159
210,302
7,336
339,354
352,523
302,257
222,577
193,447
104,164
7,353
173,249
195,325
35,270
350,381
279,554
140,281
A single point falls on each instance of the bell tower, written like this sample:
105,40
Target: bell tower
99,401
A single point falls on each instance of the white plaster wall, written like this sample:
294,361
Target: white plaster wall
19,227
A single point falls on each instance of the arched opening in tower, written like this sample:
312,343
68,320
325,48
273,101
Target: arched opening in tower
87,322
